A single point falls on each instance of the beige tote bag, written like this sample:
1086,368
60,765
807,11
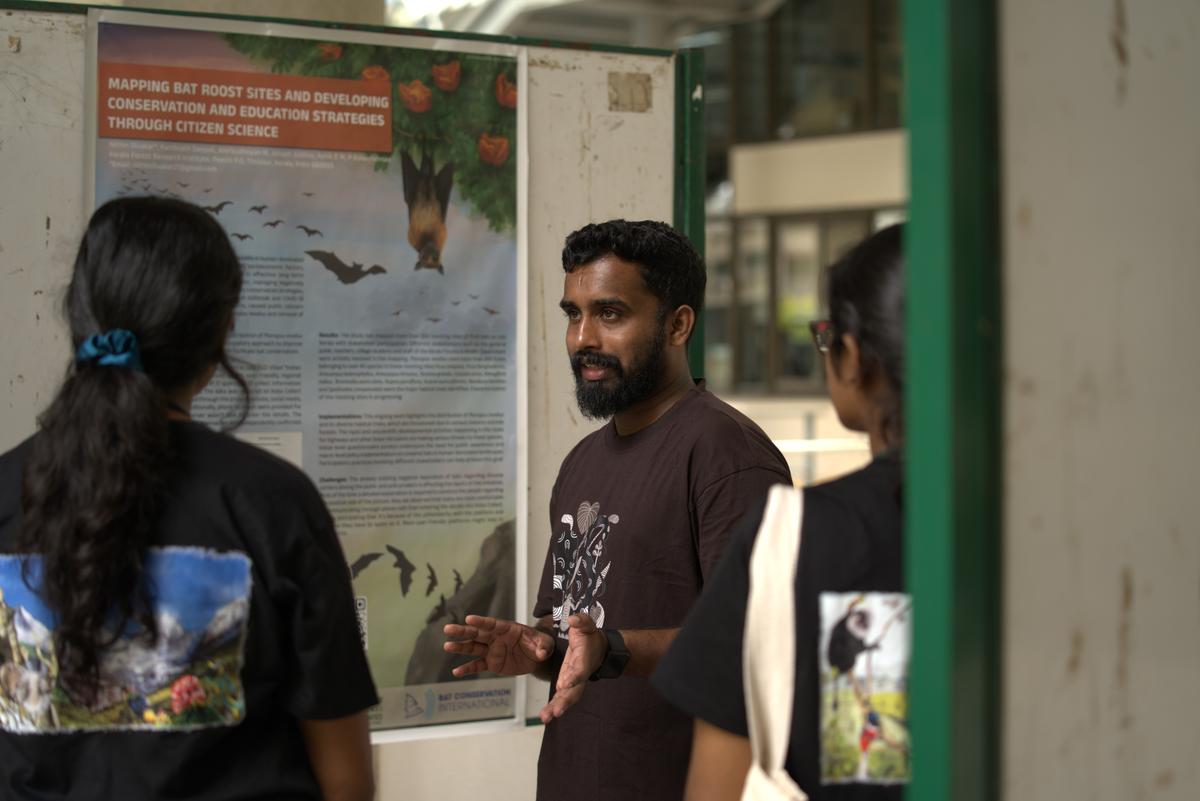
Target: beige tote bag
769,649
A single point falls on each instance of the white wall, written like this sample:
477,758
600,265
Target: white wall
825,173
587,163
1101,181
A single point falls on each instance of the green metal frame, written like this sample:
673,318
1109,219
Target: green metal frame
953,480
689,171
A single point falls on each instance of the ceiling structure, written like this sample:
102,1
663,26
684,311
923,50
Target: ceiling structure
640,23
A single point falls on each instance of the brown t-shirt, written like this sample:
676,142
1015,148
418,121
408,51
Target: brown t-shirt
637,524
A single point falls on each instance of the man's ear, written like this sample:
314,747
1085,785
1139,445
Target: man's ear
679,325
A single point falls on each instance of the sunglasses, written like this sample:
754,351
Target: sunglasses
822,334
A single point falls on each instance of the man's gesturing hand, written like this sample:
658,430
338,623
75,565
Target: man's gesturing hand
502,646
586,647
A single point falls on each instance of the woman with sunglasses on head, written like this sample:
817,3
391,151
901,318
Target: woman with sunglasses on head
177,619
848,732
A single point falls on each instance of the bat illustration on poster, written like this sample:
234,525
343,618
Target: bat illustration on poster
433,582
360,564
405,567
346,273
427,196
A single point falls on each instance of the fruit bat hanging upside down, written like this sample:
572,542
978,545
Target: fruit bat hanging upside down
427,196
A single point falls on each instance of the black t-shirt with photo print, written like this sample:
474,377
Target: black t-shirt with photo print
849,731
256,632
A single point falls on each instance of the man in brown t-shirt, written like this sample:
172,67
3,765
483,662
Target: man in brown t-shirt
639,514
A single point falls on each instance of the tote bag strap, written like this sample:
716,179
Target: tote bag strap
769,648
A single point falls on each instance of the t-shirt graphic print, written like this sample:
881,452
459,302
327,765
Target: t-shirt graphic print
864,656
187,677
580,566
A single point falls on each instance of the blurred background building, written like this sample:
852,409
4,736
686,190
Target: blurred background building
806,156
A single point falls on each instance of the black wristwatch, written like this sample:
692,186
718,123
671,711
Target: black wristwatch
615,659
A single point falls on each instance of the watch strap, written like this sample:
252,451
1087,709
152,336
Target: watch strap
615,658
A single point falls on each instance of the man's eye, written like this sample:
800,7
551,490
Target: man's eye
609,314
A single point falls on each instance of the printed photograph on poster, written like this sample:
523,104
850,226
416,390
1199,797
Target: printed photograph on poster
864,656
370,190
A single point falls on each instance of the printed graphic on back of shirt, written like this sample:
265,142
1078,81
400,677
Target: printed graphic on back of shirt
580,567
863,661
187,677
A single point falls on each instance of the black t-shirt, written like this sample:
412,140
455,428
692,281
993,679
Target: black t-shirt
849,734
256,631
637,523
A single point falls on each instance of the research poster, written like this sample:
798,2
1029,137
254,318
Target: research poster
369,185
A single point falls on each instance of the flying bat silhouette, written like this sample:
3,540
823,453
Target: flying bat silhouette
472,297
490,311
307,194
346,273
273,224
432,581
405,567
361,563
242,237
434,319
458,582
206,191
217,208
438,611
258,209
427,196
310,231
455,302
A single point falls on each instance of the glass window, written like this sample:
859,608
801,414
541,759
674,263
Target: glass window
718,306
764,288
750,75
811,68
753,304
823,56
887,55
797,303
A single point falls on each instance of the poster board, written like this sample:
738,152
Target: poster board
392,385
589,160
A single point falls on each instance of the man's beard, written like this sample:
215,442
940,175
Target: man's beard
600,400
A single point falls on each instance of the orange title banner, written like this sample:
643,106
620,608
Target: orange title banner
146,101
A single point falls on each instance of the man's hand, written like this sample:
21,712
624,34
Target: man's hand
586,647
502,646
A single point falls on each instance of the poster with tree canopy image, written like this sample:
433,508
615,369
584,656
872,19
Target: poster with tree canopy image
368,182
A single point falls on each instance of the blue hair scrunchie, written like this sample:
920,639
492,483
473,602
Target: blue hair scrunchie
115,348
